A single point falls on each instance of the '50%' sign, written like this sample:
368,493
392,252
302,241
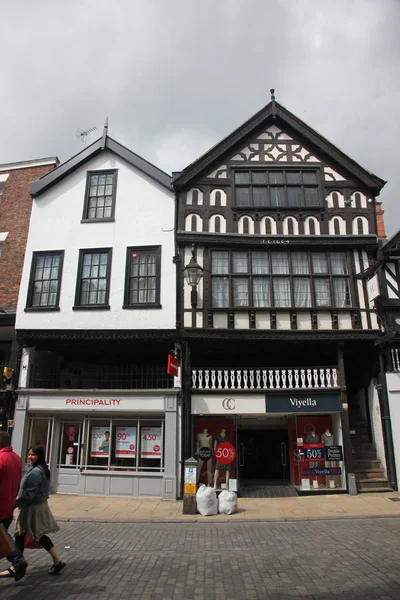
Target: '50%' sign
225,453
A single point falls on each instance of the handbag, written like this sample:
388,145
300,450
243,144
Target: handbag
31,544
6,544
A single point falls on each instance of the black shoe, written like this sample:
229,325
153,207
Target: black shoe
55,569
20,570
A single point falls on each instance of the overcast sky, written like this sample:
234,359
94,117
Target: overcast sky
175,76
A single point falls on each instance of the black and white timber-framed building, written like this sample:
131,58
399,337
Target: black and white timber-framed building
275,225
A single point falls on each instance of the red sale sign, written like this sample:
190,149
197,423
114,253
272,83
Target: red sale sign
225,453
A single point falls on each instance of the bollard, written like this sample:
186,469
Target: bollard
190,487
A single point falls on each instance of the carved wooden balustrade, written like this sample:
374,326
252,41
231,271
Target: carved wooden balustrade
264,379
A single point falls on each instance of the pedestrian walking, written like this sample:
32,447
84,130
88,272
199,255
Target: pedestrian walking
10,477
34,517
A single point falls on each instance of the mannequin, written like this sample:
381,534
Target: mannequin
204,440
327,438
219,439
313,438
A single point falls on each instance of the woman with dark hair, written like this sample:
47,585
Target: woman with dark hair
35,518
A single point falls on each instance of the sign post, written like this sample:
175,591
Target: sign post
190,487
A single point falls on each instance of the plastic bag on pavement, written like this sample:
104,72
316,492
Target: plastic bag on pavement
227,503
206,499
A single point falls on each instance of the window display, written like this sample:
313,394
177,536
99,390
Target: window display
40,433
70,444
108,444
317,454
216,451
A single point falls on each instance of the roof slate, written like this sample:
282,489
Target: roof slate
275,113
50,179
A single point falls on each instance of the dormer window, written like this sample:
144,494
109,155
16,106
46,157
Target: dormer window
277,188
100,196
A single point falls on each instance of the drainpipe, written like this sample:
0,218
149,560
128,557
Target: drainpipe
386,423
178,290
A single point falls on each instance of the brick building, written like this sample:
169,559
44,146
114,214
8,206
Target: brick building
15,211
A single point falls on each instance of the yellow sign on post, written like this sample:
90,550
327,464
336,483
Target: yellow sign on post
8,372
190,488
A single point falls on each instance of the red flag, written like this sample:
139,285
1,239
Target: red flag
173,365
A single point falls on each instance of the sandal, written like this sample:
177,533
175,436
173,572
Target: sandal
55,569
8,573
20,570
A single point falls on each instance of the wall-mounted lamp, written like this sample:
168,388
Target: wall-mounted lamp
193,273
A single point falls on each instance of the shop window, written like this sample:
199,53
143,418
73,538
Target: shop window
70,447
281,279
316,452
125,445
215,450
40,429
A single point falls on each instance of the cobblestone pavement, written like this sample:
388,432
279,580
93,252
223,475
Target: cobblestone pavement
322,559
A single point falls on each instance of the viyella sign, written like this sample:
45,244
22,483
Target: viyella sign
307,402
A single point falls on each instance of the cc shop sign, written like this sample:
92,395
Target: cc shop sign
229,404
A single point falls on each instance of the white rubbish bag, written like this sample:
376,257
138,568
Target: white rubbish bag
227,503
206,499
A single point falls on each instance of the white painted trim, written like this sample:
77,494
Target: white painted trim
4,177
3,236
28,164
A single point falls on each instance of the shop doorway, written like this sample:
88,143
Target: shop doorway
263,456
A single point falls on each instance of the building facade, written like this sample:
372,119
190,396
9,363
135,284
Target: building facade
278,336
15,212
96,321
384,288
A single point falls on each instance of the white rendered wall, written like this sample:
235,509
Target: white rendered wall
376,423
144,216
393,386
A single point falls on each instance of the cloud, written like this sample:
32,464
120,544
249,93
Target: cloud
175,77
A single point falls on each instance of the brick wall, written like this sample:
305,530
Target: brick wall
15,213
380,221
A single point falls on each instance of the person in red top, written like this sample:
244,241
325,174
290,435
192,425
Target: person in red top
10,478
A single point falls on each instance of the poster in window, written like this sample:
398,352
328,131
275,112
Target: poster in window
151,442
100,441
125,442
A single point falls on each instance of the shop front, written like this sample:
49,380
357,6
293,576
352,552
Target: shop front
101,443
278,439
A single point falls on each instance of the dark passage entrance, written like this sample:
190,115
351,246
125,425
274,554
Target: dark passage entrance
263,456
264,463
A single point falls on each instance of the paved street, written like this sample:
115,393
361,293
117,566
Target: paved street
321,559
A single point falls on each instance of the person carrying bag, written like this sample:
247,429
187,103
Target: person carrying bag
10,477
35,519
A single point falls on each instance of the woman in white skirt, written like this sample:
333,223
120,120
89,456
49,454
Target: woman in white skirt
34,517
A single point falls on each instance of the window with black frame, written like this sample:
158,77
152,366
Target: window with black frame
279,279
45,280
100,196
93,282
277,188
143,277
